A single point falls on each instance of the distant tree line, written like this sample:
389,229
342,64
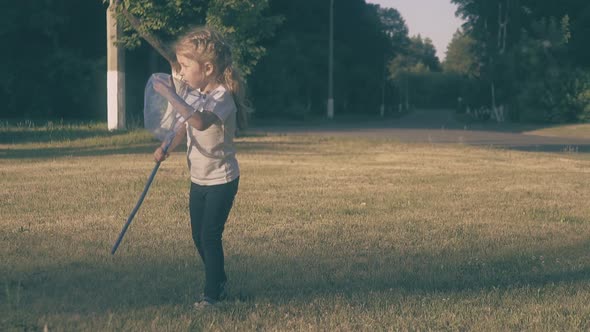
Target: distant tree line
52,62
525,58
528,60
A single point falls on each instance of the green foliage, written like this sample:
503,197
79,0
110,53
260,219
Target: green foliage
538,65
165,20
579,48
420,56
547,88
423,51
408,70
395,28
50,64
247,25
580,98
531,51
292,80
460,58
563,96
243,22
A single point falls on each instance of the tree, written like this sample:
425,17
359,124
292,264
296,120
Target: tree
460,58
399,67
50,52
423,51
501,30
547,87
419,58
579,48
395,28
396,33
244,22
495,25
292,80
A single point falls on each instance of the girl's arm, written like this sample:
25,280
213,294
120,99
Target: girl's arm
197,120
159,155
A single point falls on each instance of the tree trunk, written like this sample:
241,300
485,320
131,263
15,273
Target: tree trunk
503,26
407,94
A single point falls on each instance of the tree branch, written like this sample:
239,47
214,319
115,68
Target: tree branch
151,39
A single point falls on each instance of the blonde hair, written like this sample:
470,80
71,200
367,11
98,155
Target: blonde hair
204,44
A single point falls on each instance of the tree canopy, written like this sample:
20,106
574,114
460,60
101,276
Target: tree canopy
244,22
532,54
529,57
460,58
292,79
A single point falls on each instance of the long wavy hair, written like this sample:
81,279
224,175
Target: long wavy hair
204,44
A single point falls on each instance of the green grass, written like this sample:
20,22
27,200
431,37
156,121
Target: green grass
326,234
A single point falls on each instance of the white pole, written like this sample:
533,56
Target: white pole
115,73
331,65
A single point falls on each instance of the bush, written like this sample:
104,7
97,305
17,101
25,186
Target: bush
580,96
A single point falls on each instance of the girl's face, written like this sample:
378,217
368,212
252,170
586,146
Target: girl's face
196,75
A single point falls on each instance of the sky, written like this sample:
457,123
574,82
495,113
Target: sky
434,19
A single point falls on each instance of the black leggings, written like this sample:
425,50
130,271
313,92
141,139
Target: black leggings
209,209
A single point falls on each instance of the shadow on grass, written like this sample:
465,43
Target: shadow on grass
564,148
87,151
121,283
306,280
450,119
432,119
143,148
47,135
16,135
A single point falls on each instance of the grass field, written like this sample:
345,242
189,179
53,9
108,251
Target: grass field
326,234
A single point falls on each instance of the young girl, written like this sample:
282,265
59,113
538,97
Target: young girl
213,113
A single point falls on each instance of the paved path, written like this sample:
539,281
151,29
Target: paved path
434,127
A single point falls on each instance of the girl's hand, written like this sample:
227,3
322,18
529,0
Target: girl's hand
159,155
164,87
